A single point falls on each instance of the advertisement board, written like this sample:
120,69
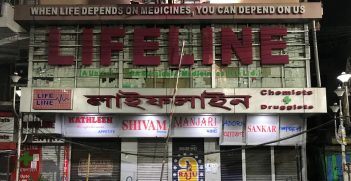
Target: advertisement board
190,100
262,129
6,127
233,130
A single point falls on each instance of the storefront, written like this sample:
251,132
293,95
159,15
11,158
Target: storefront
7,144
107,75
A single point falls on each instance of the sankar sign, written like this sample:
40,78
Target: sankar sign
189,100
152,13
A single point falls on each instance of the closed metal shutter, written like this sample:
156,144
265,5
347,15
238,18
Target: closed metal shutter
52,162
258,164
286,163
4,166
149,168
231,164
104,162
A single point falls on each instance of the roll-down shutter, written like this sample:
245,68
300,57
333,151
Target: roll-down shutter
231,164
258,164
104,162
52,162
149,168
285,164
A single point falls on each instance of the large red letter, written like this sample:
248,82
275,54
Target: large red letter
242,49
140,46
207,46
54,57
267,45
87,46
107,45
173,49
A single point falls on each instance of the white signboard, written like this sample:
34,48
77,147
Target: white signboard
233,132
6,129
190,100
196,126
90,126
261,129
290,125
143,126
46,125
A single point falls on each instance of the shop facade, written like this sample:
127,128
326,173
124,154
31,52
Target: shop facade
104,75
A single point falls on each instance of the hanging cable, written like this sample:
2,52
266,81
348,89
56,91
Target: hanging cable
165,152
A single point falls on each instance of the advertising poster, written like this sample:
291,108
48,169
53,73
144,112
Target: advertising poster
30,163
188,164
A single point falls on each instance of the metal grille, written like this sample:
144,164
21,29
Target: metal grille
52,162
258,164
149,168
104,164
286,164
231,164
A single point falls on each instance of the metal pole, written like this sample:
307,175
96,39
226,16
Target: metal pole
316,57
87,176
345,99
19,133
343,143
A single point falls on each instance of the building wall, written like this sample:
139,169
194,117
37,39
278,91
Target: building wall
122,73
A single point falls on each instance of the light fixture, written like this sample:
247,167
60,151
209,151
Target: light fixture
339,91
15,77
19,93
344,77
335,108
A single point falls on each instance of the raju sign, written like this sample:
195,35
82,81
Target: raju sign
242,47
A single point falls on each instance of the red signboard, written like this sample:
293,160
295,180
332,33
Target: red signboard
66,163
50,99
30,163
230,43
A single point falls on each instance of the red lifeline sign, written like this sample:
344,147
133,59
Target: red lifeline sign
49,99
230,43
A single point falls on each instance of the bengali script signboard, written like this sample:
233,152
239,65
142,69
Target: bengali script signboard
191,100
233,130
196,126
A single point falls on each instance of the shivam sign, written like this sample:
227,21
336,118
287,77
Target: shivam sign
190,100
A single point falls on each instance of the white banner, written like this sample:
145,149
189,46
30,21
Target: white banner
91,126
143,126
261,129
196,126
290,125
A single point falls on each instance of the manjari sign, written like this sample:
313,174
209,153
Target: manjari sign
243,47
